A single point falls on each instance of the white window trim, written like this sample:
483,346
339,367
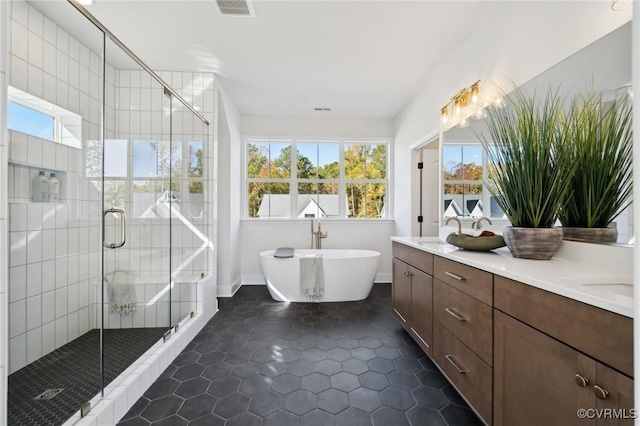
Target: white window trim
341,181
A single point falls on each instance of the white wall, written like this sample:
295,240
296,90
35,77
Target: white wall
260,235
502,56
229,184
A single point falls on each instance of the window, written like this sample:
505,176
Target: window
316,179
151,173
36,117
464,194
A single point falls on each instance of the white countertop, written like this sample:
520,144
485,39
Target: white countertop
586,281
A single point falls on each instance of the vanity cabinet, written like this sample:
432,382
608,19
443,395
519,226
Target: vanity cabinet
412,293
554,356
519,355
463,330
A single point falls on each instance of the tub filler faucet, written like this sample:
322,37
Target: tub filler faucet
319,235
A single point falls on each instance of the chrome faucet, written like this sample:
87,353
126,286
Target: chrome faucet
319,235
477,223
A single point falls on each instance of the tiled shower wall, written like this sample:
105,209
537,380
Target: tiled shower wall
54,251
3,213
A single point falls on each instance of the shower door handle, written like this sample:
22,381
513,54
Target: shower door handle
123,228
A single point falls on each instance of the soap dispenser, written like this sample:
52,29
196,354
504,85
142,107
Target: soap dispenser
54,188
40,188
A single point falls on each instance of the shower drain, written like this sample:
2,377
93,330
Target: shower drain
48,394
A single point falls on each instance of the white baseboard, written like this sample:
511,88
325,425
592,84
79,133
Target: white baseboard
383,278
253,280
229,290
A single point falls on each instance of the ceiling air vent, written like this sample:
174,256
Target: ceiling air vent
318,109
238,8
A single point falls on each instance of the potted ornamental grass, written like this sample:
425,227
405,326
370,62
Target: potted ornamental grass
601,186
529,166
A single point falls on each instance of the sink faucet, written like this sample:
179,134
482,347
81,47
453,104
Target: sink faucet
319,235
477,223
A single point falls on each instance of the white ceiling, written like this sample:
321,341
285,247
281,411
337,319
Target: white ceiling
360,58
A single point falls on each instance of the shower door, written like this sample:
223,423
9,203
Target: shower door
137,197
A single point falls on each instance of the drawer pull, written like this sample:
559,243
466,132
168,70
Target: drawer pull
601,393
455,276
581,380
455,314
407,273
455,365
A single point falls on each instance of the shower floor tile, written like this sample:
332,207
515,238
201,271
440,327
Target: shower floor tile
262,362
75,367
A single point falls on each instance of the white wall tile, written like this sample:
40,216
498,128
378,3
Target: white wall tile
34,150
72,326
62,40
61,273
34,246
50,30
17,217
17,353
34,217
19,73
20,12
48,306
48,337
48,216
49,155
48,244
18,147
34,308
34,279
84,324
17,318
74,48
62,67
18,248
19,41
74,74
35,81
17,283
61,332
36,21
61,302
36,49
34,345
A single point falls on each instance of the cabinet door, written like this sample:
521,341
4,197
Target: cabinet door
535,378
614,392
421,309
401,291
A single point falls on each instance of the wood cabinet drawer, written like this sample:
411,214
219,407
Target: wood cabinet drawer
471,281
603,335
470,320
471,375
414,257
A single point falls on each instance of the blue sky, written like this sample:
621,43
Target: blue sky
29,121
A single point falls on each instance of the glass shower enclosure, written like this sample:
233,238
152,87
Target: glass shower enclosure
109,268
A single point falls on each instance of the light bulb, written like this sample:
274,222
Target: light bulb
475,92
464,123
479,114
499,102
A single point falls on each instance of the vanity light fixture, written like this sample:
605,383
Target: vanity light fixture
467,103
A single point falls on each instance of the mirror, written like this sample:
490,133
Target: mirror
604,66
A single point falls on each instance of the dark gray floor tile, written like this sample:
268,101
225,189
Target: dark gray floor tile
282,418
430,397
273,368
435,379
216,371
193,387
189,371
162,388
266,403
398,398
423,416
363,353
387,416
255,384
212,357
246,369
365,399
339,354
135,421
347,343
387,352
353,417
171,421
333,400
314,354
232,405
245,419
317,418
186,358
381,365
403,379
208,420
162,407
328,367
237,357
457,415
197,406
373,380
315,382
300,402
301,368
408,364
355,366
285,383
453,396
224,386
345,381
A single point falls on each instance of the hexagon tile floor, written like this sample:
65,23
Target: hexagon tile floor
262,362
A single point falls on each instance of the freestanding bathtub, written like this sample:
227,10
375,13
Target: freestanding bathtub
348,274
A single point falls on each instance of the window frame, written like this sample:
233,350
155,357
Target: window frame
294,181
486,194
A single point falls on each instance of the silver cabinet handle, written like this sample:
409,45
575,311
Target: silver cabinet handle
123,228
455,365
455,276
454,314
